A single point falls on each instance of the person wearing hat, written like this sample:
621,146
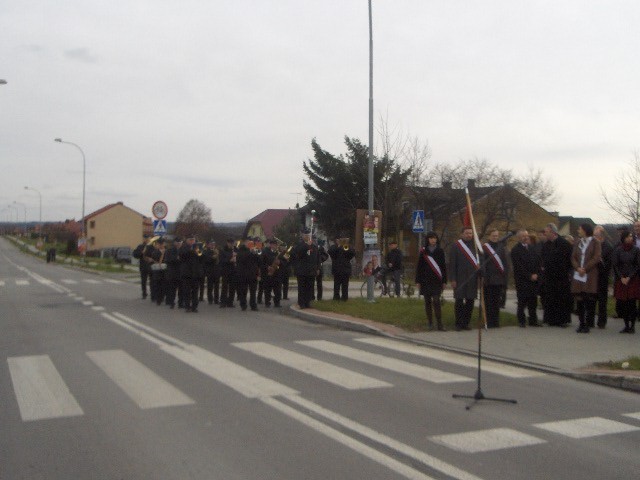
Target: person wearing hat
306,265
138,253
210,260
247,274
191,272
172,275
341,254
269,276
158,267
393,265
227,273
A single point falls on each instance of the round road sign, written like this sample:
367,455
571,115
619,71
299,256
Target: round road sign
159,210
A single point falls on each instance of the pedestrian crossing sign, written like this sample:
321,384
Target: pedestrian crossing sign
418,221
159,227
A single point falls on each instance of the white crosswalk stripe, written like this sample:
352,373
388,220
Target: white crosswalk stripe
586,427
143,386
22,282
92,281
68,281
635,415
387,363
450,357
40,390
325,371
486,440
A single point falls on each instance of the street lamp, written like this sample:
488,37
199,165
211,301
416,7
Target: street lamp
40,211
84,175
3,81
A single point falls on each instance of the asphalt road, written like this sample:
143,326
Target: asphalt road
96,383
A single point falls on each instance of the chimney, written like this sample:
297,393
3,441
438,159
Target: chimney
471,183
446,185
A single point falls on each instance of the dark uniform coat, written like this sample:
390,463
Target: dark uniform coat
431,283
463,271
525,262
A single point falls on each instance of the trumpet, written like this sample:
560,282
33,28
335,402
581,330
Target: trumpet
344,243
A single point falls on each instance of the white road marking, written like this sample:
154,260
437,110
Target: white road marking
325,371
97,308
78,299
635,415
391,463
87,303
143,386
22,282
2,284
450,357
252,385
486,440
586,427
40,390
92,281
382,439
111,280
395,365
69,281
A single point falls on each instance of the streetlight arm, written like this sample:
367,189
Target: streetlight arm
84,176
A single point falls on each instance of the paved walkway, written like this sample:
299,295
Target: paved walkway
550,349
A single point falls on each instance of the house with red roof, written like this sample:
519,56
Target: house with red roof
263,224
115,225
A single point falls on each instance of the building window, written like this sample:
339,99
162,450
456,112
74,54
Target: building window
92,240
92,224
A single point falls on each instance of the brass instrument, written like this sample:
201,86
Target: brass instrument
344,243
197,247
287,253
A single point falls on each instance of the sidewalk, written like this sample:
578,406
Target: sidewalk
550,349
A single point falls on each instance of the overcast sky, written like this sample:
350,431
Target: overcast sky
219,100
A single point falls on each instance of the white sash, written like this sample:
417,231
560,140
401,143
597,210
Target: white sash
495,257
434,265
468,253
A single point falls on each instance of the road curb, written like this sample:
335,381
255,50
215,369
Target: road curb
615,380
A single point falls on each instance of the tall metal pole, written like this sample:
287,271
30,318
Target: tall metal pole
84,176
370,180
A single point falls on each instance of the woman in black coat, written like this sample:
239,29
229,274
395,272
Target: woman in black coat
431,276
626,290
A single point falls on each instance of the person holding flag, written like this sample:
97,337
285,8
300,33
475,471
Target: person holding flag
495,277
464,271
431,276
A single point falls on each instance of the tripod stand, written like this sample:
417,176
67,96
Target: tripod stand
482,315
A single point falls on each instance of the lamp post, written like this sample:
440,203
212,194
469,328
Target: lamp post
370,165
84,175
40,206
3,81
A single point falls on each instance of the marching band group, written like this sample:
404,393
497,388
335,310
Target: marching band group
246,270
180,273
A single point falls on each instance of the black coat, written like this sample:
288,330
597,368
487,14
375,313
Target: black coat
525,262
605,265
430,282
247,264
191,263
306,260
210,262
556,265
394,257
172,260
492,274
341,260
227,267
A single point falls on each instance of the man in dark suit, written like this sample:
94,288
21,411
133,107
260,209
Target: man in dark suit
464,269
556,276
306,265
526,267
604,272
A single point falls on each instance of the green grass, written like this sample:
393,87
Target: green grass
405,313
634,364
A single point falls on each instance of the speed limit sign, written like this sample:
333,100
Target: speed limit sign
159,210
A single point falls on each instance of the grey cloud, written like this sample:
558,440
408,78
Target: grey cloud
81,54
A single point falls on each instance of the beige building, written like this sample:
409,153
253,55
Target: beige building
115,225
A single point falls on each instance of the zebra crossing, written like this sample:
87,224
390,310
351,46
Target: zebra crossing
25,282
41,392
